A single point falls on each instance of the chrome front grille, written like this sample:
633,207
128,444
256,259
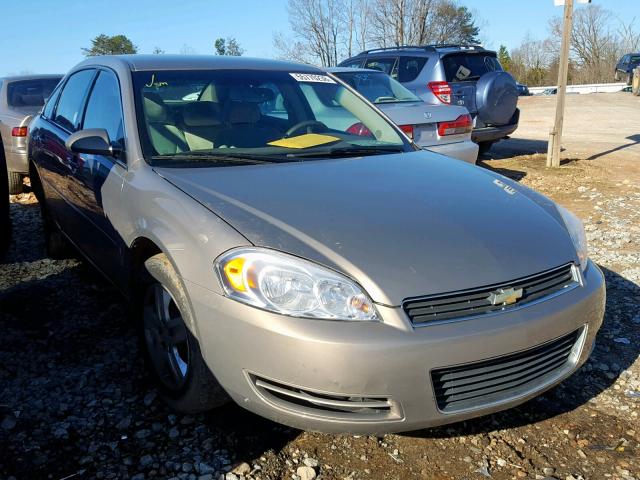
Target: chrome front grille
482,300
478,384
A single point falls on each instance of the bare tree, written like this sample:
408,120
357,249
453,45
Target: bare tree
419,22
317,31
325,31
593,44
628,37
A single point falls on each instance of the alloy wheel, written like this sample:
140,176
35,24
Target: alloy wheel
165,336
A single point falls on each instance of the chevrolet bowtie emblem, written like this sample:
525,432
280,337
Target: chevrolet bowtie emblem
505,296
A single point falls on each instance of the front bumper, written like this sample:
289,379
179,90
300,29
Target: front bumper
466,151
388,361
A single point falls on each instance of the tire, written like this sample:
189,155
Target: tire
16,184
496,97
171,351
484,147
5,217
635,88
616,76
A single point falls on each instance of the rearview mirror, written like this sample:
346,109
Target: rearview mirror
94,141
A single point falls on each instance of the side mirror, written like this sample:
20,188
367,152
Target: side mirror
94,141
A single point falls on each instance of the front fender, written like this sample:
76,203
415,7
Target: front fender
144,205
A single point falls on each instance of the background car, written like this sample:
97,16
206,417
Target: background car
467,76
523,90
549,91
443,129
20,98
625,66
5,220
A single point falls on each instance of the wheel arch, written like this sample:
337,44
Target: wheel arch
142,248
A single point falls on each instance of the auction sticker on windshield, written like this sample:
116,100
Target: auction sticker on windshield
309,77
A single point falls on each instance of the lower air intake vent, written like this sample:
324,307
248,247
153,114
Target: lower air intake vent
328,405
478,384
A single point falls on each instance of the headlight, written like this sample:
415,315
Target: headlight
576,231
289,285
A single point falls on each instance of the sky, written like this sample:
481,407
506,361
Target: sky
46,36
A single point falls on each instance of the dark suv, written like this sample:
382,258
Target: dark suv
625,66
469,76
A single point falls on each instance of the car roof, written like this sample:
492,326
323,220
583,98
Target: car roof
424,50
17,78
196,62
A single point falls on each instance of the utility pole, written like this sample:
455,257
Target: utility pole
555,136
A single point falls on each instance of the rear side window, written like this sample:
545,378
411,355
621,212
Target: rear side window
51,103
410,67
30,93
467,67
104,108
69,110
387,65
352,63
634,59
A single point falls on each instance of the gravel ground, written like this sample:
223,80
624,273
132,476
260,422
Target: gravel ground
75,403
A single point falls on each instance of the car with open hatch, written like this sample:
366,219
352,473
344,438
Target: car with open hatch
323,279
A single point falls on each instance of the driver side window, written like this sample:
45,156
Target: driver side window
104,109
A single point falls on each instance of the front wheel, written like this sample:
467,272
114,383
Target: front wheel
172,352
616,76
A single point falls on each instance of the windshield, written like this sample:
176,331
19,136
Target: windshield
378,87
217,116
30,93
462,67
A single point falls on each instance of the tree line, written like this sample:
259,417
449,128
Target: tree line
598,40
121,45
324,32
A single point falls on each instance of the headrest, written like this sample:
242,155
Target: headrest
243,113
154,108
247,94
202,114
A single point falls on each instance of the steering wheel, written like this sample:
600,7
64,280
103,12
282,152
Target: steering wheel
309,124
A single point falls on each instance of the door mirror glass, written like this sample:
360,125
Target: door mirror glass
93,141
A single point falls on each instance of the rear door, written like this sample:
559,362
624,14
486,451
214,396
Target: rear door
98,239
56,164
462,70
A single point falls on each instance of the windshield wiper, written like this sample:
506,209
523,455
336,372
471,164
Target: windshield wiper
222,158
357,151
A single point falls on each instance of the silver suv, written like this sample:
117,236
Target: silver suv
468,76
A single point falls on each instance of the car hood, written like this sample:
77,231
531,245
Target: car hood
416,113
401,225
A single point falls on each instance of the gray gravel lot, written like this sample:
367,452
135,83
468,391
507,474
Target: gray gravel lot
75,402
